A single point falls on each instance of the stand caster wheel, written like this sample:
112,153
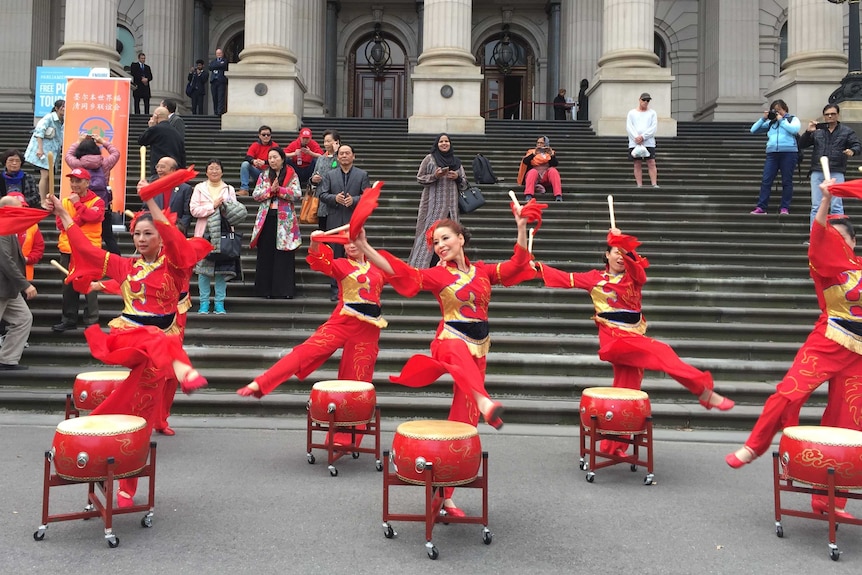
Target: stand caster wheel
649,479
147,520
310,458
39,535
582,464
113,541
333,471
433,553
633,467
487,536
591,476
779,530
355,455
834,553
378,465
388,532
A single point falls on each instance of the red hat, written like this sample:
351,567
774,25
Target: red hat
79,173
305,133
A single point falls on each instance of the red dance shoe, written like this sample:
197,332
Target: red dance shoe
493,416
124,501
820,506
453,511
191,384
735,462
724,405
247,391
167,431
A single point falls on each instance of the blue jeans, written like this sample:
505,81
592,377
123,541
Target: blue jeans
785,162
836,206
247,172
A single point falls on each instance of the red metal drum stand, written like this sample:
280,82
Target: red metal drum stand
591,453
434,503
334,451
100,498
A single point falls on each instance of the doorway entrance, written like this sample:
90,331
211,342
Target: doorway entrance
378,79
508,71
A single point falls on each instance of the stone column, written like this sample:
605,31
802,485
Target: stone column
200,31
310,25
627,68
553,55
331,57
581,40
22,49
729,78
90,37
164,33
447,83
265,87
420,22
815,62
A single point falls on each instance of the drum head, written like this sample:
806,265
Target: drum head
342,385
434,429
825,435
112,375
615,393
101,425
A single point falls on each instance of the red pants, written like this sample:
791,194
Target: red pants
551,177
632,353
358,339
164,412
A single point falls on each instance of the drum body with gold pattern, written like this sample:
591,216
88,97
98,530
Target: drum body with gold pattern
807,451
82,446
91,388
352,402
451,447
618,410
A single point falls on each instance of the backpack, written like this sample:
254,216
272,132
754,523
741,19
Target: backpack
482,171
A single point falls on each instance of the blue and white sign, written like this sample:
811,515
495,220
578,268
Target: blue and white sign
51,86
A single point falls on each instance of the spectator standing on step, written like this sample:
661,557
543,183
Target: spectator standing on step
174,119
163,140
781,131
328,161
47,137
198,81
641,126
218,82
256,158
561,105
837,142
142,75
13,308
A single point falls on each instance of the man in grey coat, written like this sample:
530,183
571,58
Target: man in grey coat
13,308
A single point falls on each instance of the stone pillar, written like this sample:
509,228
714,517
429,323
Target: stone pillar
420,22
729,78
553,56
815,62
22,49
164,32
90,37
330,51
310,24
265,87
627,68
447,83
581,41
200,31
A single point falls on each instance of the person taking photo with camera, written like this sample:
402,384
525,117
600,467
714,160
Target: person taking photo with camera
837,142
781,130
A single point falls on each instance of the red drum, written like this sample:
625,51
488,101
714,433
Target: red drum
83,445
619,411
352,402
452,447
807,451
93,387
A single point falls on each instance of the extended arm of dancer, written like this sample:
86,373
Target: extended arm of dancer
828,252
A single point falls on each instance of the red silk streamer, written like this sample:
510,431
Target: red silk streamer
852,189
339,237
167,183
623,242
532,211
14,219
367,204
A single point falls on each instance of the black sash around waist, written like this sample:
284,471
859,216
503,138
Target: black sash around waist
160,321
369,309
629,317
182,295
851,326
477,330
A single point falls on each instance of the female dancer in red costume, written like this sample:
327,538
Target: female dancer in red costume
144,337
461,342
832,352
616,295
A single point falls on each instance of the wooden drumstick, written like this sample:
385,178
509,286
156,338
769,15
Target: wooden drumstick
824,163
337,230
611,210
129,214
530,240
50,173
57,265
515,201
143,163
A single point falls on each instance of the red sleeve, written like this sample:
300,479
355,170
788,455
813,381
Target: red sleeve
406,280
90,263
315,147
636,267
180,251
110,287
292,147
320,259
828,253
556,278
85,215
38,249
514,270
252,150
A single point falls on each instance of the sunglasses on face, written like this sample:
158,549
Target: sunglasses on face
830,114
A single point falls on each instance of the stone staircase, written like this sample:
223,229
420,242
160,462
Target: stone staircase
729,291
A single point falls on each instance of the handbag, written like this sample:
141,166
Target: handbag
308,210
470,200
234,211
190,89
229,244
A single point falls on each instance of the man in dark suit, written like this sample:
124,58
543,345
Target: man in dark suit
13,308
218,82
198,80
340,190
163,140
180,196
142,75
175,119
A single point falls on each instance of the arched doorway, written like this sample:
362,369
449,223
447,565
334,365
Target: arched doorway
232,50
507,65
378,78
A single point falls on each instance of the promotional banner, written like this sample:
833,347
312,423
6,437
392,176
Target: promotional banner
51,86
99,106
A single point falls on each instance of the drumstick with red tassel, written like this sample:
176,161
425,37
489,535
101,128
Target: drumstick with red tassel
59,266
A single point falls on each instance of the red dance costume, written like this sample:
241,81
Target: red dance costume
354,325
833,350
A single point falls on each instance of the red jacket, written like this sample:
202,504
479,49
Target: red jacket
306,159
257,151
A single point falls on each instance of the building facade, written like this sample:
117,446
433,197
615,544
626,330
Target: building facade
447,65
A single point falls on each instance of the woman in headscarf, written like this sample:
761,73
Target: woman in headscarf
442,175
